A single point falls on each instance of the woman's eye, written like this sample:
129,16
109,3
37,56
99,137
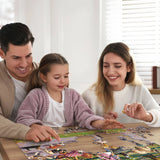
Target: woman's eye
118,66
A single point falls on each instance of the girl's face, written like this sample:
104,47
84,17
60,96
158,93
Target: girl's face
57,79
115,70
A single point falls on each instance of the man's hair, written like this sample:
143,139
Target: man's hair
15,33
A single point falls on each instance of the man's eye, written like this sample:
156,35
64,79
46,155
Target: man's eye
29,55
15,57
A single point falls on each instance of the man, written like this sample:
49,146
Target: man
16,42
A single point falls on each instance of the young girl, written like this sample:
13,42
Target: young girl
50,102
117,92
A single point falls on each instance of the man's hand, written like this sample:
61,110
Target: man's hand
39,133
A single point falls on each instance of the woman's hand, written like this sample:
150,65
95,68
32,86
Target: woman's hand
137,111
111,115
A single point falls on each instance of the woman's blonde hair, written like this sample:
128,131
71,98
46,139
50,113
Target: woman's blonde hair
103,90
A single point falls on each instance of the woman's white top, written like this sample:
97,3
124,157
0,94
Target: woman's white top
128,95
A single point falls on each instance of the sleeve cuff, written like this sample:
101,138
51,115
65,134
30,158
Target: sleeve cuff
155,122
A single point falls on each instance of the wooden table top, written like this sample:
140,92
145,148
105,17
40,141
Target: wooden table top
10,150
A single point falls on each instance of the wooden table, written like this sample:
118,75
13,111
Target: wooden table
10,150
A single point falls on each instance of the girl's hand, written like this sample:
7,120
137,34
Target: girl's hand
110,115
137,111
107,124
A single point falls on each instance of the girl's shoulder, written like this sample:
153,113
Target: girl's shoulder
37,92
70,91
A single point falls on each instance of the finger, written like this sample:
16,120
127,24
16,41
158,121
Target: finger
112,115
114,126
44,136
31,136
36,139
54,134
133,109
115,115
114,123
125,108
130,110
117,125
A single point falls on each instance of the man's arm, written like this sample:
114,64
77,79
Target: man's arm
9,129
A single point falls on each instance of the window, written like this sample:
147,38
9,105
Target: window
6,11
136,23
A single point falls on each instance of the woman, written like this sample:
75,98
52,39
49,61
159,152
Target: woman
118,94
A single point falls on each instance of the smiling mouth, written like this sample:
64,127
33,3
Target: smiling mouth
112,78
61,86
23,70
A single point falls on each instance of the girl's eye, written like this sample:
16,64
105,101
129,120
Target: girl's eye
56,77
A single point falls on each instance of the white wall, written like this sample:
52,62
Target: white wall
69,27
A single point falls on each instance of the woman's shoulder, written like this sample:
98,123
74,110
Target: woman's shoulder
138,88
90,90
89,94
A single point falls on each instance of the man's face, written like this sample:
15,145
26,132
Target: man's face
19,60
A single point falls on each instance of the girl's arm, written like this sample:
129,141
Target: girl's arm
27,113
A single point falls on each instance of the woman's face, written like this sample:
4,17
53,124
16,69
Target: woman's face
115,70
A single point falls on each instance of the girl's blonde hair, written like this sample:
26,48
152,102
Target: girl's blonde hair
103,90
44,67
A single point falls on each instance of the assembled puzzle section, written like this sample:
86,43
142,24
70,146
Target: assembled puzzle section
78,144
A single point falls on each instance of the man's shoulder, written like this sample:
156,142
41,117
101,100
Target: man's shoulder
4,76
2,66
